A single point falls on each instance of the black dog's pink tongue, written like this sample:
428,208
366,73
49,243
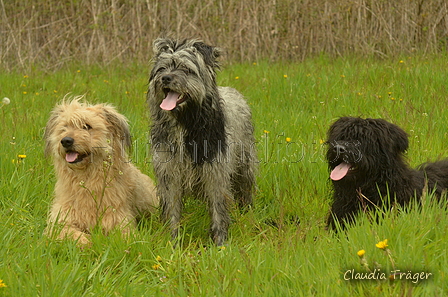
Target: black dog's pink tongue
169,103
339,171
71,157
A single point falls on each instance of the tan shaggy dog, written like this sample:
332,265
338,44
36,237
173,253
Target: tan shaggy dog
96,183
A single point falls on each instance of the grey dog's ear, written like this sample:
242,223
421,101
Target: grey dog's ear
162,45
210,53
118,125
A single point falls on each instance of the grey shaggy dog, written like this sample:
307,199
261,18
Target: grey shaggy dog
201,136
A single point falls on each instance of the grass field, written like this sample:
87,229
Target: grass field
280,247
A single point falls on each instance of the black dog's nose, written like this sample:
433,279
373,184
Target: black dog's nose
166,79
67,142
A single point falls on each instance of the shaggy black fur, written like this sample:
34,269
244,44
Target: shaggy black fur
365,157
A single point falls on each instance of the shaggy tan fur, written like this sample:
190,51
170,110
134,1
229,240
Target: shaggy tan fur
96,183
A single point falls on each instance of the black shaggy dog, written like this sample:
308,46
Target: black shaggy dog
366,160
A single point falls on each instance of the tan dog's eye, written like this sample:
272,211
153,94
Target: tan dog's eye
87,127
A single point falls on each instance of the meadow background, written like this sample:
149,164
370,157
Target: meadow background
280,247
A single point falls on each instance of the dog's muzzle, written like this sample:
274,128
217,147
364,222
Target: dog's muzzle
71,156
340,154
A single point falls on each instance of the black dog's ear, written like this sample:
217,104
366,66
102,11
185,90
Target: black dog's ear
400,138
210,53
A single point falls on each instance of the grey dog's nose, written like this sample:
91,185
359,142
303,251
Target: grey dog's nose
166,79
67,142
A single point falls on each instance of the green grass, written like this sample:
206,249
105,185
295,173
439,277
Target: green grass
280,248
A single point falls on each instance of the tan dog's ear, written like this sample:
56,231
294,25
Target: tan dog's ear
49,128
118,125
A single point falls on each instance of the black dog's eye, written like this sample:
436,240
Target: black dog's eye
87,127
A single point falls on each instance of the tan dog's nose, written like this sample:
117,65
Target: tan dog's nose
67,142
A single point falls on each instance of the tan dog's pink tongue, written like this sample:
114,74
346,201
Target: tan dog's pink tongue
339,171
169,103
71,157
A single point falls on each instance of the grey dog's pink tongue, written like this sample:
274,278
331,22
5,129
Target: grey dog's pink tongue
169,103
71,157
339,171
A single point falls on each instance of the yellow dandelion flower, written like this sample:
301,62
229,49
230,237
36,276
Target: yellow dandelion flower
24,85
401,61
400,99
265,131
392,98
25,76
321,141
342,75
37,94
2,284
21,156
382,244
78,71
361,253
285,75
288,139
54,91
24,92
389,93
254,63
222,248
237,77
158,258
156,266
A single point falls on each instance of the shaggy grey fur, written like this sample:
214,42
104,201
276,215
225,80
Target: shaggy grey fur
201,136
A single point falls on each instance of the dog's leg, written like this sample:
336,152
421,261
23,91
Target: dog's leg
342,213
219,216
243,184
82,238
171,205
217,191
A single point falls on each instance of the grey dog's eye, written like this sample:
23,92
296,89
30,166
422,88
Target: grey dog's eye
188,71
87,127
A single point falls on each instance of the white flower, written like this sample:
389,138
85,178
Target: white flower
6,101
